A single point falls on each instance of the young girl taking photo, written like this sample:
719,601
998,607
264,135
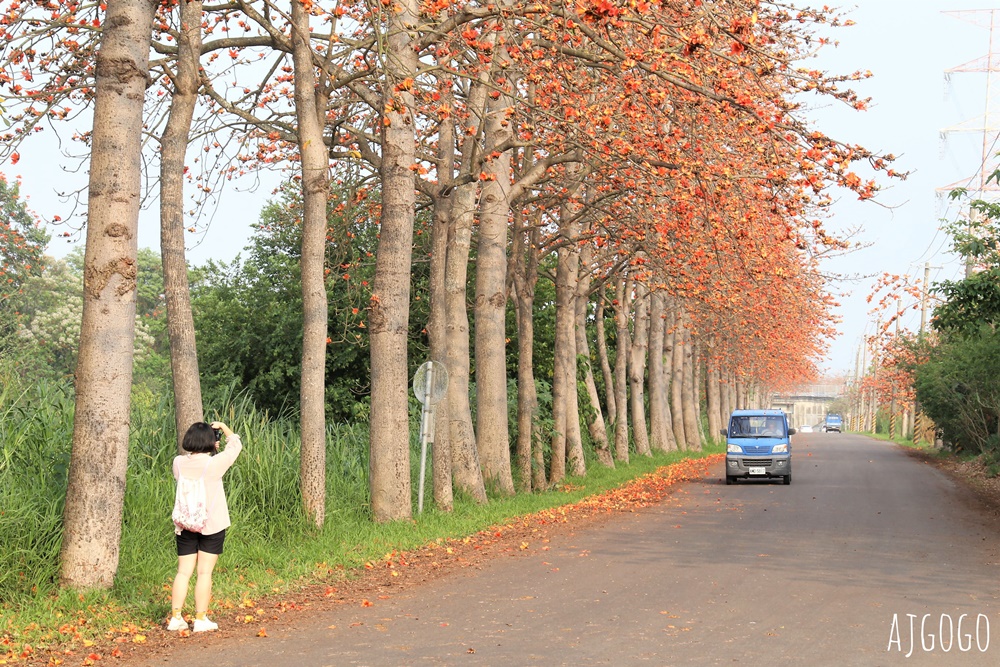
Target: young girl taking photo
200,550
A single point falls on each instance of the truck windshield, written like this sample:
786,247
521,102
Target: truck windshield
756,426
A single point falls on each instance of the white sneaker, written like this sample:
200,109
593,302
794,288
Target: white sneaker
177,623
204,625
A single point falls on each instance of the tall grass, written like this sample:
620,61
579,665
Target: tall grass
36,426
271,547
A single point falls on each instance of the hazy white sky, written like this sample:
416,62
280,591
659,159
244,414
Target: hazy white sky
907,44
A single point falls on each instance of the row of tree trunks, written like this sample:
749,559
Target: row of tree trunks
467,456
466,471
656,358
671,386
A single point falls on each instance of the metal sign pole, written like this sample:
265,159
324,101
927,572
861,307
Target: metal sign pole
426,435
429,386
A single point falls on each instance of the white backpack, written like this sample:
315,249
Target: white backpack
191,504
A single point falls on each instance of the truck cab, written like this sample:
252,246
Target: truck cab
758,446
832,423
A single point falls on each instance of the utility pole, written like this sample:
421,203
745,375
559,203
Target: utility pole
892,388
923,300
864,374
921,424
873,406
857,419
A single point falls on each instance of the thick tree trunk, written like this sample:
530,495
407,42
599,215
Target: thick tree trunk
437,321
527,399
637,370
724,405
467,473
525,278
180,321
310,110
622,346
566,446
654,378
730,389
700,397
389,307
724,402
95,497
574,435
661,439
444,495
492,434
677,379
602,356
563,350
668,374
595,419
713,396
692,426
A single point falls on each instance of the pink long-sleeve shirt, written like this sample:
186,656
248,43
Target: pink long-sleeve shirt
192,466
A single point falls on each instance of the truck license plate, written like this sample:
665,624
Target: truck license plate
757,470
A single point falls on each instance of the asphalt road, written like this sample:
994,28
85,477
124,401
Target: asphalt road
844,567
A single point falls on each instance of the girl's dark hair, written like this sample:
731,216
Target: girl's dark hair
200,438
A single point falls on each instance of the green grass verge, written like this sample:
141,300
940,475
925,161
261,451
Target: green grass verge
924,447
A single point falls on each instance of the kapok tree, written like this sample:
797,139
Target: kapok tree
96,493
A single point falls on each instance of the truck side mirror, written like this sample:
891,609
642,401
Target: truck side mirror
791,431
724,431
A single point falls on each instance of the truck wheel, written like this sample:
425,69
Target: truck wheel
788,479
730,480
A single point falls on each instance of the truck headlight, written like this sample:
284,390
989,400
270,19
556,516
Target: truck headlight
779,449
734,449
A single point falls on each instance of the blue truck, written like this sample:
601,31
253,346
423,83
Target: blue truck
832,423
758,446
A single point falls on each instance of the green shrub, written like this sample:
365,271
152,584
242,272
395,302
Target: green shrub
957,388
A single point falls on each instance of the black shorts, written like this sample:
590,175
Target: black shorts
189,543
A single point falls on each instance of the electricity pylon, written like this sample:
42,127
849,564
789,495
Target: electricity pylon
988,124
